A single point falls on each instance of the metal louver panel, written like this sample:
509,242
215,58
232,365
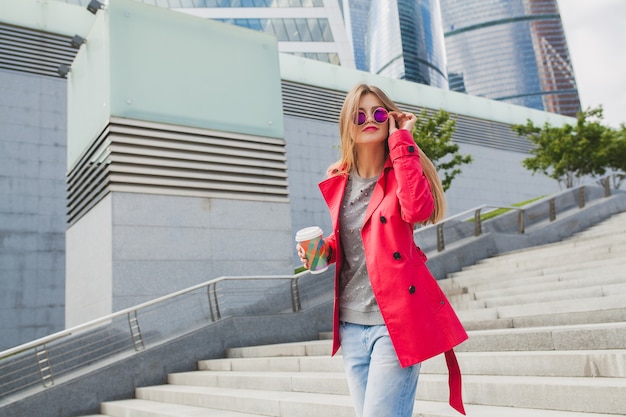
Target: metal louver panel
311,102
144,157
34,52
317,103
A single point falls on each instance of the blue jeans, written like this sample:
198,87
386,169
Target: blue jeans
379,386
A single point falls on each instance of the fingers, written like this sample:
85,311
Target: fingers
302,255
392,123
403,120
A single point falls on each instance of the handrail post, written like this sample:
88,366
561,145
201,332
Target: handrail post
607,186
581,196
212,294
478,229
440,242
521,227
43,364
552,203
295,295
135,331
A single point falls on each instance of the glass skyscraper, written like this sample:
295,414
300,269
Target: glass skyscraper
510,50
405,40
313,29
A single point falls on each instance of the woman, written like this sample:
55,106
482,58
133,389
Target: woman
389,314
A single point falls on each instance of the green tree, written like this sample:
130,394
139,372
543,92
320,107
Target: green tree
569,152
434,137
616,155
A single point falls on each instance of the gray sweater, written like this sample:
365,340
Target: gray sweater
356,300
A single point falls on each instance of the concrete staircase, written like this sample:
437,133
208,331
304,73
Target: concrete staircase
547,338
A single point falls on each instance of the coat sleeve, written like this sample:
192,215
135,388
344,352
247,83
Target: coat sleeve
414,194
331,241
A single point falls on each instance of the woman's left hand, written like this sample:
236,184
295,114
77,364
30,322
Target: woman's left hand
400,120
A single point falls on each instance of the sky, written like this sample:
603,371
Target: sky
596,35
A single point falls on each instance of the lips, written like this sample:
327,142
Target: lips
370,128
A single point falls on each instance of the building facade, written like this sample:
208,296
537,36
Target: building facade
404,40
136,175
510,50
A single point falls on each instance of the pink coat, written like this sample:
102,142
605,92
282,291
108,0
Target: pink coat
419,318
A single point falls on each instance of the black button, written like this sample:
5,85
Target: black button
396,255
383,219
411,289
411,148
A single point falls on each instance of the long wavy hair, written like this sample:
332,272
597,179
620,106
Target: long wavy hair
347,163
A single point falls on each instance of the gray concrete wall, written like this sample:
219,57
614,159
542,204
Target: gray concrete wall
32,206
166,243
88,284
132,248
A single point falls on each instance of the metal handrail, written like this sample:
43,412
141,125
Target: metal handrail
41,361
132,310
521,222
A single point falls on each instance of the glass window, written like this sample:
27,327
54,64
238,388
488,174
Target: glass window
292,30
278,26
315,30
327,35
303,30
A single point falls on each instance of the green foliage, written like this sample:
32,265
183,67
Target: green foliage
494,213
434,137
616,154
568,153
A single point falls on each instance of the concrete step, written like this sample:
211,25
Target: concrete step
601,303
562,248
296,391
144,408
324,363
261,402
341,407
577,243
309,348
507,281
575,363
489,275
600,395
599,336
552,319
557,294
432,387
542,291
602,277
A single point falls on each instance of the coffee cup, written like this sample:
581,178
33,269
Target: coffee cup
310,238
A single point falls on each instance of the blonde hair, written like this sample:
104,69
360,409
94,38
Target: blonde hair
347,162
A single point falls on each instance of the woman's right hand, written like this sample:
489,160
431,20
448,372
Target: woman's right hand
302,255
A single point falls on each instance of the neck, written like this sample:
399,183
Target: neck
370,160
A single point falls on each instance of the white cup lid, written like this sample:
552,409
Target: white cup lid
308,233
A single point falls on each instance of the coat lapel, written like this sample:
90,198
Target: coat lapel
379,192
332,190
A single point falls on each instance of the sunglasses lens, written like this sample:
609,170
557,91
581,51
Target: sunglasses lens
360,118
380,115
